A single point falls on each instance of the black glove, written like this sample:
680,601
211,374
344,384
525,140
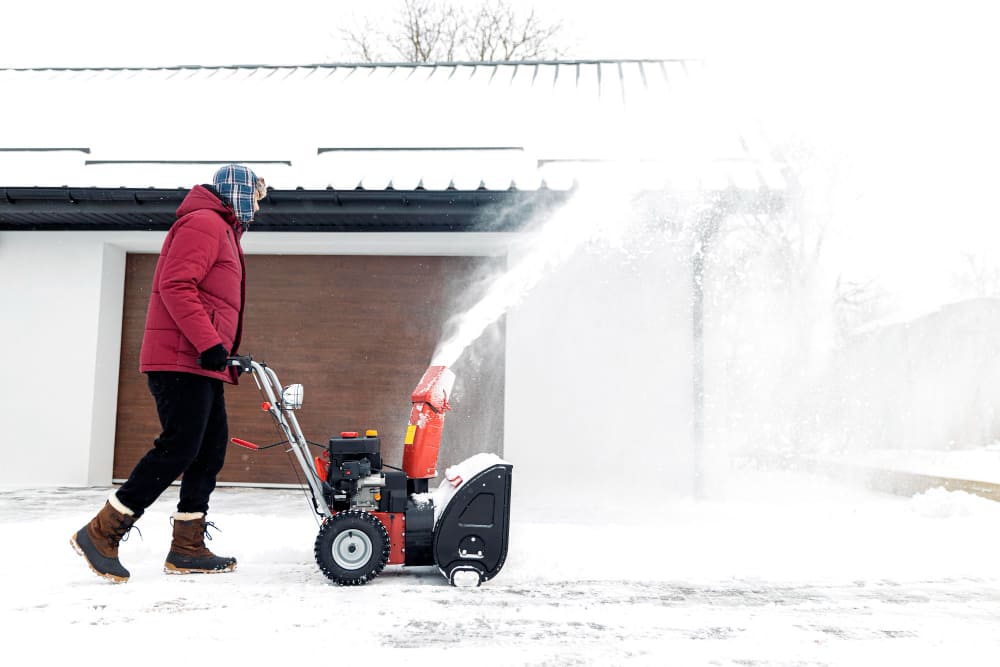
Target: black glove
214,358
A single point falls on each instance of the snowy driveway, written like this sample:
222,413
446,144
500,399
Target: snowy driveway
911,581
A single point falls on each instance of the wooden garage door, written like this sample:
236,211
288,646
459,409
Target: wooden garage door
357,331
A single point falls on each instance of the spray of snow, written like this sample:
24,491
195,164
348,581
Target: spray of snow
592,213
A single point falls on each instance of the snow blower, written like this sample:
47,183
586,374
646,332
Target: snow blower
372,514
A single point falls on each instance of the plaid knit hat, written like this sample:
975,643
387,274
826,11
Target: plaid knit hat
237,184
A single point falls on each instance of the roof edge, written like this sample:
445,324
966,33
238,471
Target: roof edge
354,65
149,209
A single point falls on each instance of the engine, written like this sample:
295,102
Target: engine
351,469
353,479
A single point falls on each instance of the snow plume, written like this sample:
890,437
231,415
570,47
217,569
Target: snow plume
877,340
592,213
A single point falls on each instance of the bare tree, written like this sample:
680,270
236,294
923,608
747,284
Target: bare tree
443,31
496,32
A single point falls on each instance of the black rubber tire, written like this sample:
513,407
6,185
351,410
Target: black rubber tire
368,532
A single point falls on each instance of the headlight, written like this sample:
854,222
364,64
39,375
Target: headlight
291,397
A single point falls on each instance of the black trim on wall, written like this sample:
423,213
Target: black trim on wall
147,209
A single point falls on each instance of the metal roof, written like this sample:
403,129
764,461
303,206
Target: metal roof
344,127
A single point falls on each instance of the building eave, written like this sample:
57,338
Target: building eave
149,209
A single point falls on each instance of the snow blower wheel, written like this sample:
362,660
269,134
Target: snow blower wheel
352,548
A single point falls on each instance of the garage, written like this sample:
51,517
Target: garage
379,218
357,330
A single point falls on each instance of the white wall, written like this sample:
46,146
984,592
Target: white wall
107,357
60,359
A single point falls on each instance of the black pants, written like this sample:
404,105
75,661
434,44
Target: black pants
193,443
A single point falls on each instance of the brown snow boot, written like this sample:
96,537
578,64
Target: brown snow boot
98,540
188,553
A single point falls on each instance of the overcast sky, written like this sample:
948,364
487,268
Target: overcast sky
117,32
122,32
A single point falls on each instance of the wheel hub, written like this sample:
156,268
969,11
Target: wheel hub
351,549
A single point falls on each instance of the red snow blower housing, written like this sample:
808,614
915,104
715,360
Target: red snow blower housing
372,516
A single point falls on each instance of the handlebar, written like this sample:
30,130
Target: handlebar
244,363
270,387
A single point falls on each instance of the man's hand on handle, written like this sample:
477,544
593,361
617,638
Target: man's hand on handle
214,358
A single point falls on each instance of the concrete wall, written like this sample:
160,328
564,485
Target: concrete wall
781,386
930,383
60,342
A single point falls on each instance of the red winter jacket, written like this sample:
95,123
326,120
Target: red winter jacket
199,289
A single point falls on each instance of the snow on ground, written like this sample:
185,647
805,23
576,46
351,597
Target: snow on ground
783,569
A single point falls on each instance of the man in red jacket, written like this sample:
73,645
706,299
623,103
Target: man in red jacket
194,322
